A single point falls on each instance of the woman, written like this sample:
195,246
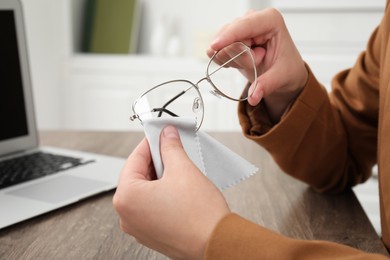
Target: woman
185,216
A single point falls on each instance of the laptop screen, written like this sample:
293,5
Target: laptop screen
17,118
13,116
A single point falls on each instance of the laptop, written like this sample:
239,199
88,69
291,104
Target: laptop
34,179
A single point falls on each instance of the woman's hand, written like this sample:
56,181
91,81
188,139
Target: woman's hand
174,215
282,72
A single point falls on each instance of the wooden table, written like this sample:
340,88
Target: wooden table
89,229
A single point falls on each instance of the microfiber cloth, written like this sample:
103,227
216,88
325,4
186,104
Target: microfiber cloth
221,165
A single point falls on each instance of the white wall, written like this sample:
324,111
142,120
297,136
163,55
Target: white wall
43,31
194,21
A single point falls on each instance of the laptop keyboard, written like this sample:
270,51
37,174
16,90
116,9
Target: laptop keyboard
35,165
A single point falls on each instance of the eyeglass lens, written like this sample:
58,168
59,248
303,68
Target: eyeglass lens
174,98
230,69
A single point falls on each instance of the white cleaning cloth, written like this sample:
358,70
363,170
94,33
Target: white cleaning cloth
222,166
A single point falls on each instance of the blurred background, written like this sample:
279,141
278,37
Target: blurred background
85,78
90,59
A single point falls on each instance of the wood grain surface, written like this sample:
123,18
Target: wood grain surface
89,229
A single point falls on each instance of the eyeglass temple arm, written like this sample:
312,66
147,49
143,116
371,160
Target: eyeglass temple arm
160,110
163,110
169,102
222,65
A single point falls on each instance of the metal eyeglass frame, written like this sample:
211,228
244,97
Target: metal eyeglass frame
199,102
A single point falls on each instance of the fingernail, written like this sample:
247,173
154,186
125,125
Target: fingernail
254,92
250,90
170,132
215,42
256,97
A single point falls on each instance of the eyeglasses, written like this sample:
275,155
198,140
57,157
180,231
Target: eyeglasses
227,71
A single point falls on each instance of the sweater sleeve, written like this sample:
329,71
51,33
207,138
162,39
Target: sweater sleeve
237,238
321,140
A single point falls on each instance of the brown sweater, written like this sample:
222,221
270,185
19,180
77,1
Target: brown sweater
350,130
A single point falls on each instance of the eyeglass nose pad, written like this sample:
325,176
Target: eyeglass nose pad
216,93
197,105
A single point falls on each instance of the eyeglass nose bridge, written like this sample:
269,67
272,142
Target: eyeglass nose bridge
216,92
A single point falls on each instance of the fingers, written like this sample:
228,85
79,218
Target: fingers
264,32
138,164
269,82
172,151
136,170
254,28
255,96
280,67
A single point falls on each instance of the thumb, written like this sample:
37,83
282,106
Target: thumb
267,83
172,151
